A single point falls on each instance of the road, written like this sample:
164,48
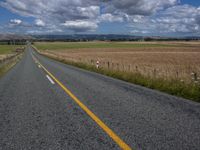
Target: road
36,112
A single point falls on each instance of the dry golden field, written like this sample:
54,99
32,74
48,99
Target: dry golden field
168,60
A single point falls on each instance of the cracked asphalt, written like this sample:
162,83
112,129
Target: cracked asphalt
36,114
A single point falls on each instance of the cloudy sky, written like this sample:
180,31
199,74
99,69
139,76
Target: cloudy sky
136,17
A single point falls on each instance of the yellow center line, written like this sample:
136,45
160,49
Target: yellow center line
114,136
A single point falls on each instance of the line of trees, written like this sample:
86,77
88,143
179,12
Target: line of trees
13,42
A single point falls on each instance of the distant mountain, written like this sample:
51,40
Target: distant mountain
107,37
6,37
86,37
89,37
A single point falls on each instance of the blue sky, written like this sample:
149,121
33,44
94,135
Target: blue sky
191,2
136,17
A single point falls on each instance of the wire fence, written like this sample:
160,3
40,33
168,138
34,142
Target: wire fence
187,74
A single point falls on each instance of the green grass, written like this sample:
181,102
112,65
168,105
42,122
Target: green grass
173,87
6,49
78,45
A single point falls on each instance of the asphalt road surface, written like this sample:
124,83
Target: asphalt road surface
37,113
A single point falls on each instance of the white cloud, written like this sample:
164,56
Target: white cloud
15,21
80,25
176,19
40,23
142,16
139,7
139,32
51,12
110,18
89,12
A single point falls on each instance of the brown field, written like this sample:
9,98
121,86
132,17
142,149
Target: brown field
178,61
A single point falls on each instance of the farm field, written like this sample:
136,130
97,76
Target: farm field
166,60
7,50
98,44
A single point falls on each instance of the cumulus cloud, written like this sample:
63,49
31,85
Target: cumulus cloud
139,32
139,7
176,19
53,12
80,25
141,16
110,18
40,23
15,21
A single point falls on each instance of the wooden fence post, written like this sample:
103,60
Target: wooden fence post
177,74
123,67
154,73
108,65
117,66
129,68
194,76
113,65
136,68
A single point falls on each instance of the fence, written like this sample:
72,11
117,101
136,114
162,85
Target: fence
191,74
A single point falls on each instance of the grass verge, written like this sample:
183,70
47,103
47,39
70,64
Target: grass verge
173,87
9,64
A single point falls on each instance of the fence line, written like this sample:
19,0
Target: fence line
167,73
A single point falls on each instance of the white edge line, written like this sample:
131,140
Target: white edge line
52,82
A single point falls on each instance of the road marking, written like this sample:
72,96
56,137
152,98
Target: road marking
48,77
111,133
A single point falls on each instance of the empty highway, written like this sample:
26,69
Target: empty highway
45,104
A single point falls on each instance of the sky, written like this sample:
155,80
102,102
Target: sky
134,17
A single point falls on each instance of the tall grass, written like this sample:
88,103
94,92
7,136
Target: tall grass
155,63
9,63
